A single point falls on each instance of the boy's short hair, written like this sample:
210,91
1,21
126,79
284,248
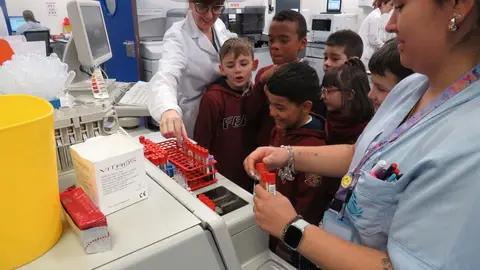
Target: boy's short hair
296,81
293,16
387,58
237,46
349,40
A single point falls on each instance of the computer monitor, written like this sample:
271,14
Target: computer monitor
334,6
15,22
89,32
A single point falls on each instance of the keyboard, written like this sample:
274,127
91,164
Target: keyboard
136,96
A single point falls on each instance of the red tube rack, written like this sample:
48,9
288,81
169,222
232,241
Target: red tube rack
197,169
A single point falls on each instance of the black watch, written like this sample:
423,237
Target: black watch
293,234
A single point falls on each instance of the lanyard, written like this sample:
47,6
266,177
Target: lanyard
349,181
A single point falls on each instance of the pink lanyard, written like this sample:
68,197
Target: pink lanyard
349,181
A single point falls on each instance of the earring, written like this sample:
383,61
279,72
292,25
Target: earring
452,25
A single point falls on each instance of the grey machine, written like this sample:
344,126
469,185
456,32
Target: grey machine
173,229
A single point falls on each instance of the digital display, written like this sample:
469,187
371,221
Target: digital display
96,34
16,21
334,5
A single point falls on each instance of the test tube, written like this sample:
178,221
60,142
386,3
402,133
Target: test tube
162,163
270,183
210,167
260,169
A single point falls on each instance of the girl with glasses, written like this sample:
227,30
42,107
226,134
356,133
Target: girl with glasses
345,93
189,63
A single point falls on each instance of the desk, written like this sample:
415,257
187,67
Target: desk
58,47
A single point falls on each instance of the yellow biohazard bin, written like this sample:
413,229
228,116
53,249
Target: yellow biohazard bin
30,213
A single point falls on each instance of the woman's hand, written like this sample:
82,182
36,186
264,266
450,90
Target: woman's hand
273,212
171,126
272,157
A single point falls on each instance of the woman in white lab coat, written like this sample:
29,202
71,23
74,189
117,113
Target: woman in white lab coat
189,63
372,31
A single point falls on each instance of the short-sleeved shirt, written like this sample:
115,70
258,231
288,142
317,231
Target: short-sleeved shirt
31,26
430,218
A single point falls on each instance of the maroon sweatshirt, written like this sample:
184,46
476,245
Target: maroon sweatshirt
220,128
308,193
343,130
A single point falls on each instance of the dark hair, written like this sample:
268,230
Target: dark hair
349,40
387,58
28,16
296,81
237,46
378,3
352,76
293,16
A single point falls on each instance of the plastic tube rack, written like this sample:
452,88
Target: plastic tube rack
194,166
78,124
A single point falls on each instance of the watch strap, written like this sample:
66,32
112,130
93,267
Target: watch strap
297,217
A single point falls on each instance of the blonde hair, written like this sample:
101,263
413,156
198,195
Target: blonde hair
238,47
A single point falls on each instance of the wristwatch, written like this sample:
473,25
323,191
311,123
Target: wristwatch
293,233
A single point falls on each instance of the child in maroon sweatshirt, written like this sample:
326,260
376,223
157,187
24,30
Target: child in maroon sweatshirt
221,121
291,92
287,37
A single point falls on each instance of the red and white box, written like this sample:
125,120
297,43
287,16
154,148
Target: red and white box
88,222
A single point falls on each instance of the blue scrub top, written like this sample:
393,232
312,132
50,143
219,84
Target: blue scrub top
430,218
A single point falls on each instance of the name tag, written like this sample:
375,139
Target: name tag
342,228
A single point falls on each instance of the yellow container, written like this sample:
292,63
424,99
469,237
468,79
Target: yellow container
30,213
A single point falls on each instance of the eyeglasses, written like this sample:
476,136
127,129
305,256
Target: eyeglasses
325,92
202,9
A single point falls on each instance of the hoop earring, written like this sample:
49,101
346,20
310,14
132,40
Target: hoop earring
452,25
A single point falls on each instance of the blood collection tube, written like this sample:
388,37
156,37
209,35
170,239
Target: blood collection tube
270,183
260,169
163,163
210,167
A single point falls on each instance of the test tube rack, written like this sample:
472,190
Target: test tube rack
78,124
191,161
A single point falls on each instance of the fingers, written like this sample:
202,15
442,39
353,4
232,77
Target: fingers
261,192
184,132
249,165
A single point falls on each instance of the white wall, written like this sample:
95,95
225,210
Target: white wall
39,8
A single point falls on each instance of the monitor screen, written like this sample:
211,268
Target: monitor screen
334,5
15,22
97,37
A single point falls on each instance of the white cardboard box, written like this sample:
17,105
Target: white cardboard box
111,171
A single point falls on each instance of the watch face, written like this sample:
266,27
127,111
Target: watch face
293,236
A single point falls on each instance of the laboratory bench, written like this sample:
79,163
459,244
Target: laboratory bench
171,229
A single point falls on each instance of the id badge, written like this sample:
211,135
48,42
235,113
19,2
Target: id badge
341,228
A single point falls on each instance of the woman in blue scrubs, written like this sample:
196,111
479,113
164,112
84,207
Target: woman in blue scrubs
427,216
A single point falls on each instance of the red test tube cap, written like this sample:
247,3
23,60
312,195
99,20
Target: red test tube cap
270,178
260,167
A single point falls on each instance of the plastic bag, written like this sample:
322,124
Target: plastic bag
32,74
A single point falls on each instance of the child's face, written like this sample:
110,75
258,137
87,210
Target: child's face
381,87
334,57
284,43
333,98
286,113
238,71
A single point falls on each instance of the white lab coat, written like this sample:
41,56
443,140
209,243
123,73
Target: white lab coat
373,34
189,63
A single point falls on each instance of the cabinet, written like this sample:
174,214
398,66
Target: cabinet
315,56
